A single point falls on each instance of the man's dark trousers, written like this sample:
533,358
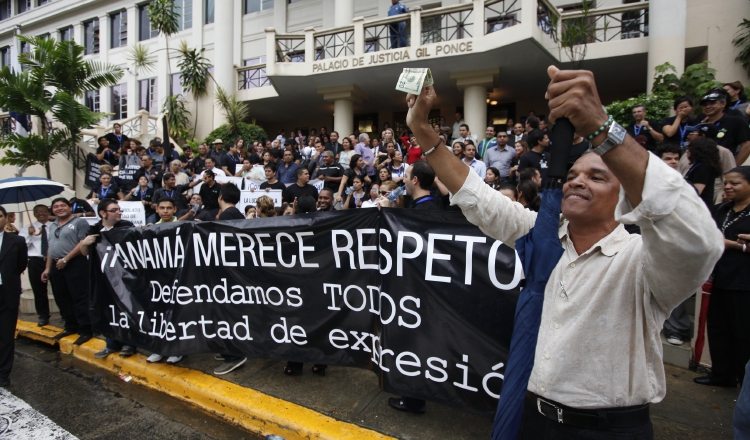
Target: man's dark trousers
70,287
8,319
13,261
39,287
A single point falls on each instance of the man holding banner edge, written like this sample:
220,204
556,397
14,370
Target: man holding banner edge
603,272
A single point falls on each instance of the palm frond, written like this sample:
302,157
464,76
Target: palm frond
100,75
163,17
234,110
194,70
141,58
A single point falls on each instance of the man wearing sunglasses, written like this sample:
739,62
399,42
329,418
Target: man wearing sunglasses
66,268
111,218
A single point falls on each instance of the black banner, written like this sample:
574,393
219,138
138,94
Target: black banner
91,180
423,299
129,166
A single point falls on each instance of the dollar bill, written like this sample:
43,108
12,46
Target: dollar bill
413,80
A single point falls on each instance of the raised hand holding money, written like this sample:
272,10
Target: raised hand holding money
413,80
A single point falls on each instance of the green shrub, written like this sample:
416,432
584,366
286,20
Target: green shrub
658,106
249,132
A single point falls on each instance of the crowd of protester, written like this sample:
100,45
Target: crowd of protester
381,169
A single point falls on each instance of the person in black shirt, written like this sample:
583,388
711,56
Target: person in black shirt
646,132
300,188
674,128
106,189
704,168
419,179
229,161
210,192
80,208
107,153
271,181
734,133
195,211
330,172
228,199
116,139
580,146
728,326
153,173
537,157
142,193
199,161
173,191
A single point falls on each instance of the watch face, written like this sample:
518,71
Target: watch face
617,132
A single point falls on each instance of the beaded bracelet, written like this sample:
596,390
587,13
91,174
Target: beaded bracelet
440,141
600,129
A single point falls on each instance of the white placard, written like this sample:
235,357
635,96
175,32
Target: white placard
134,212
250,198
317,183
238,168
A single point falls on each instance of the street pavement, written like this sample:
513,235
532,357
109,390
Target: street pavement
688,412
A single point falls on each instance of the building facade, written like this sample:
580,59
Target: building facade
334,63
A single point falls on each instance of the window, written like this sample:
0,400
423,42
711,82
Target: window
23,5
119,29
145,31
66,34
25,47
91,100
4,9
147,96
176,84
5,56
185,10
120,101
42,2
210,5
257,5
91,36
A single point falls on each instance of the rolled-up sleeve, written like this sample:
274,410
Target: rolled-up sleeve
681,243
495,214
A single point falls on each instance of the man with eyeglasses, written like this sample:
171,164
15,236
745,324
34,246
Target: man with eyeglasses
66,268
37,241
111,218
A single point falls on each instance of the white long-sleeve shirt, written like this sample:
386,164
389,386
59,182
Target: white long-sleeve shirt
599,343
34,242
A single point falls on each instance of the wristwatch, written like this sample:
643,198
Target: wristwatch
64,260
615,136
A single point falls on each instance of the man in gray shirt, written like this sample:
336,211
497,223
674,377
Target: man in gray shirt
501,156
68,271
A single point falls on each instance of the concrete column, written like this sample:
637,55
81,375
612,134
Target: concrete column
343,98
343,13
104,38
666,36
279,15
478,14
343,116
78,33
270,51
132,12
475,85
359,36
309,44
237,54
223,52
416,26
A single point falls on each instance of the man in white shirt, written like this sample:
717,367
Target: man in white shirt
37,242
598,359
465,134
211,165
457,126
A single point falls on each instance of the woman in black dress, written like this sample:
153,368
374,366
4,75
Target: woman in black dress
728,324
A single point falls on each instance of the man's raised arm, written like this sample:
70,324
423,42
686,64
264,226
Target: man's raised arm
572,94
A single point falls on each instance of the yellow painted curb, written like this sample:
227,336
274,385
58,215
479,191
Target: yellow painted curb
251,409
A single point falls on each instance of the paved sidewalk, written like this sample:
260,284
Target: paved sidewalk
352,395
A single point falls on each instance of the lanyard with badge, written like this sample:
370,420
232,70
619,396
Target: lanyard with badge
683,130
104,192
637,129
426,199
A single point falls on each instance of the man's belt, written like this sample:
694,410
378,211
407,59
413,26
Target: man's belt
625,417
42,258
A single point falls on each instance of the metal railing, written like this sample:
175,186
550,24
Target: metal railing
501,14
447,25
252,77
141,124
334,45
388,34
547,18
619,22
290,49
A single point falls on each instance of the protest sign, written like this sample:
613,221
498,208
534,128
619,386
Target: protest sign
133,212
423,299
129,166
91,179
251,197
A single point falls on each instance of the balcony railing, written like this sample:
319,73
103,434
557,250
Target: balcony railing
443,31
501,14
334,45
393,33
290,49
616,23
447,24
252,77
